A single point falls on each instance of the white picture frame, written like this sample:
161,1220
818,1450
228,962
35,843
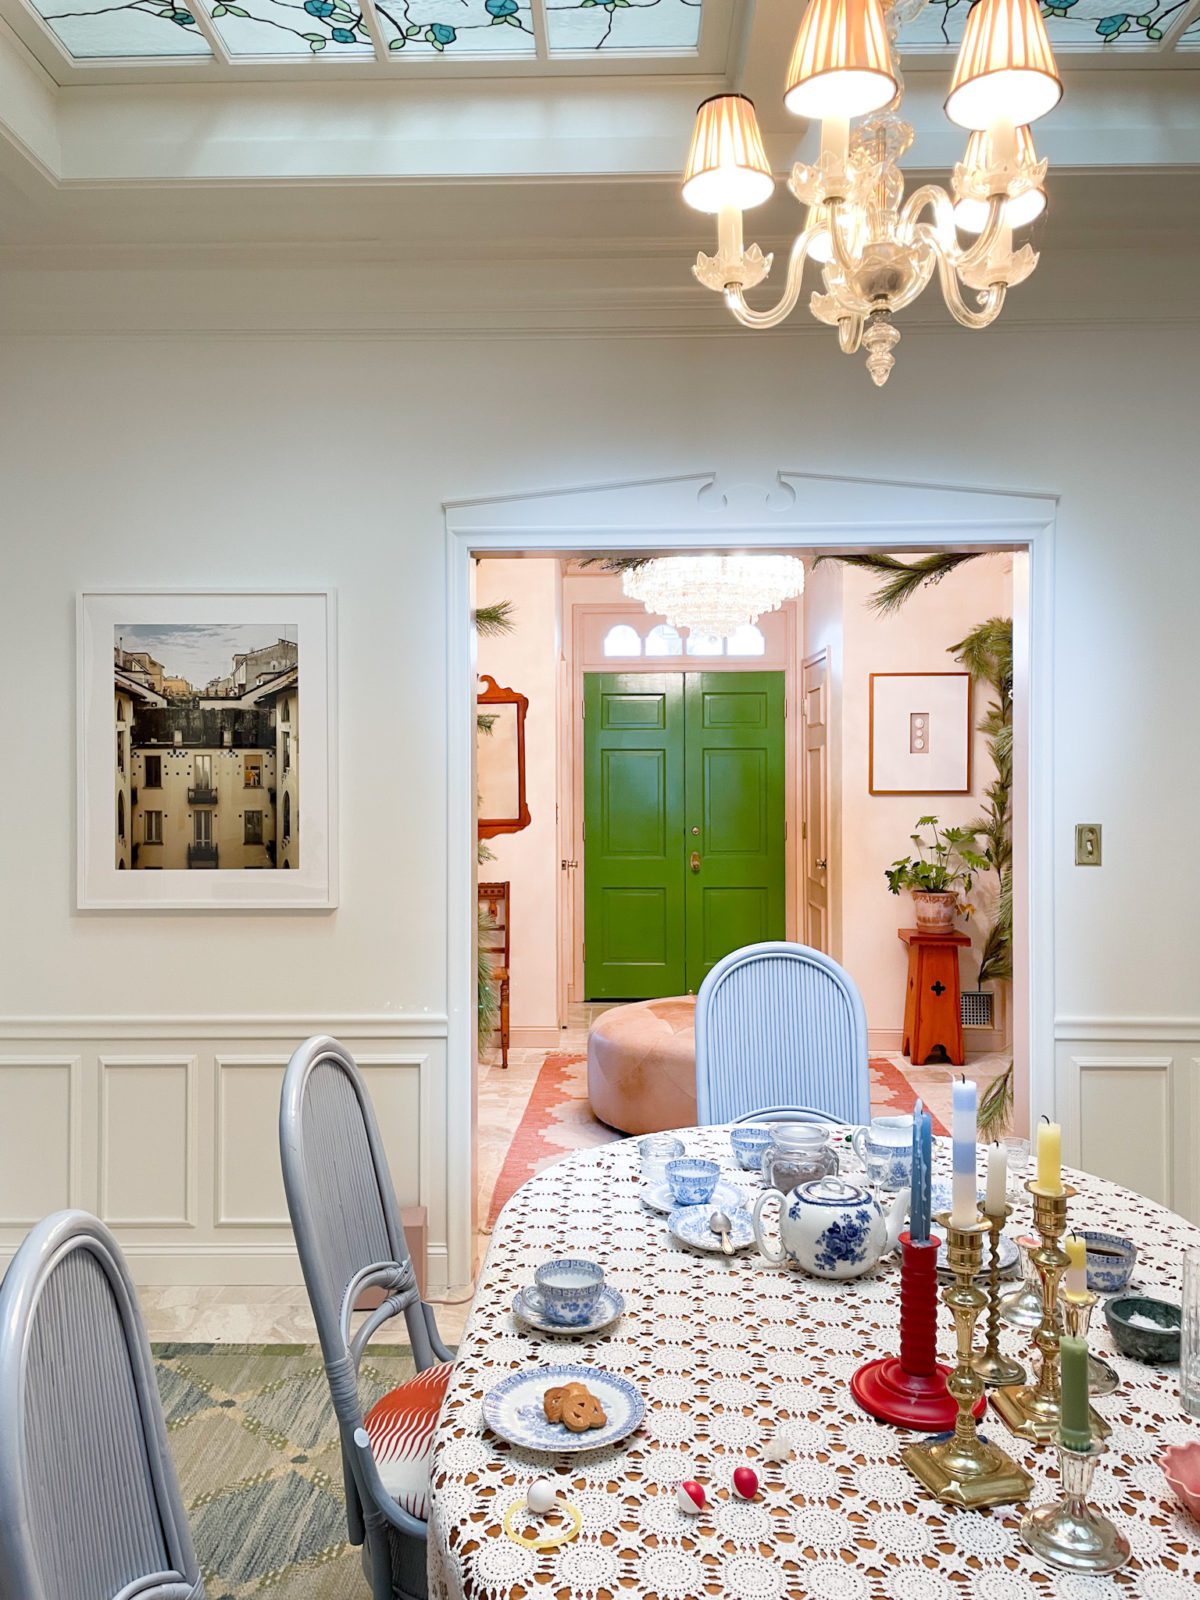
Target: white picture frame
260,703
920,733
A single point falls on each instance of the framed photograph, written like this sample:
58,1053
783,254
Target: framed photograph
207,751
920,737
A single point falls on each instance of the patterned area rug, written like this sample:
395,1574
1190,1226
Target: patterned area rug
252,1431
558,1119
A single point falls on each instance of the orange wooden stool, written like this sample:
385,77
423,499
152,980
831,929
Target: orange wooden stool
933,1003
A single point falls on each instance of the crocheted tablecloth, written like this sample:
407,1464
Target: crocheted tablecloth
728,1351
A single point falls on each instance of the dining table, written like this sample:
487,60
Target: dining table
729,1352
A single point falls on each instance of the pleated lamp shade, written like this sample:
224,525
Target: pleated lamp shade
841,64
727,165
1005,68
971,214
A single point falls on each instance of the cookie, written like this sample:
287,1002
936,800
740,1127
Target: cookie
581,1412
552,1400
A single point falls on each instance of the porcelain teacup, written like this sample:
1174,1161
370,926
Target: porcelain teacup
566,1291
692,1180
750,1144
885,1150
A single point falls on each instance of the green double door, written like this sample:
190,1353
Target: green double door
683,825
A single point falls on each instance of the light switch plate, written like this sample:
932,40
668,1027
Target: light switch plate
1087,844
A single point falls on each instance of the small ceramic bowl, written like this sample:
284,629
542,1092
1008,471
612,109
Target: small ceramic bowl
1159,1343
1181,1468
692,1180
750,1145
1110,1269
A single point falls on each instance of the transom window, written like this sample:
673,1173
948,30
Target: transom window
623,642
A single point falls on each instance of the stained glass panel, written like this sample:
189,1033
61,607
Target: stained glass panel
642,25
457,27
97,29
1190,37
1071,24
292,28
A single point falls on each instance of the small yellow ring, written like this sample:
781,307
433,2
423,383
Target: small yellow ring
546,1541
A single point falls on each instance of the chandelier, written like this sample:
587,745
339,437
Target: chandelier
714,595
876,250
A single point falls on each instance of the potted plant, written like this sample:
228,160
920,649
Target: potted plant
939,876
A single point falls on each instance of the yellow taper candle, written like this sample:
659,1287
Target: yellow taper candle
1076,1284
1049,1158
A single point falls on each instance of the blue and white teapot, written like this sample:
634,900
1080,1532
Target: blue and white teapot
831,1228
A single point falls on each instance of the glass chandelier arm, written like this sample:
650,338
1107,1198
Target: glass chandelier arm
850,331
991,300
746,314
941,233
841,253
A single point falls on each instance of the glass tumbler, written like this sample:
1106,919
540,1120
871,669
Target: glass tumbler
1189,1342
654,1151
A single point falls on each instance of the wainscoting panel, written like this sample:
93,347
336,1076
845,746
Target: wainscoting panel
39,1137
168,1129
1130,1108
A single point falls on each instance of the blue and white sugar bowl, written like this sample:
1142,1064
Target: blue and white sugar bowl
831,1228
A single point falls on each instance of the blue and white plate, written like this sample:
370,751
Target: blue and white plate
659,1198
941,1197
513,1410
689,1225
608,1308
1008,1256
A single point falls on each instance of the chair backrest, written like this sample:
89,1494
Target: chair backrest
789,1114
779,1022
89,1502
342,1203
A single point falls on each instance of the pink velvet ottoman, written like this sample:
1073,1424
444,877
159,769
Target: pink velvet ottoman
642,1065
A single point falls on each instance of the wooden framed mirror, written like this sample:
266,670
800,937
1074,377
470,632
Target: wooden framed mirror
500,760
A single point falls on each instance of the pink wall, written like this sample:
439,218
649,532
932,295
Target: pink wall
528,660
875,829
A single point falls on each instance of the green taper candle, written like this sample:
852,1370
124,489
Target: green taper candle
1075,1427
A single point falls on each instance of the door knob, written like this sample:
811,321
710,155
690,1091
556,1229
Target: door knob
695,861
821,865
568,864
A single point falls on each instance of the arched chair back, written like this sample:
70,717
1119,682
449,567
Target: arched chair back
779,1022
89,1502
350,1239
789,1114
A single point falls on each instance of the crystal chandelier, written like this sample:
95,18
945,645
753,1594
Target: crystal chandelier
876,250
714,595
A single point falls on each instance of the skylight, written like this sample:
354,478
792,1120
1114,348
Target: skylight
1073,25
93,30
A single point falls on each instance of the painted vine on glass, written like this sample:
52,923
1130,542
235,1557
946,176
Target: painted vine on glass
1097,17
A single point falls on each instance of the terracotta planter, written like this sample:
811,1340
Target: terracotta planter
935,910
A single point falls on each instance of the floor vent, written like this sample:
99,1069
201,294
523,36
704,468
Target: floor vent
977,1008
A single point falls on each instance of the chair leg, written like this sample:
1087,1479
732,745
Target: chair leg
504,1024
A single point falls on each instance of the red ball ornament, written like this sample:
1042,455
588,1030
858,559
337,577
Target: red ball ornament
690,1496
745,1482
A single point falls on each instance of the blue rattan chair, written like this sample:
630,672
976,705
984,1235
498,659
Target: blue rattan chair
789,1114
350,1239
779,1023
89,1501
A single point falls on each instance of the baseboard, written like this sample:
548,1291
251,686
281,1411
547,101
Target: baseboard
884,1039
976,1041
542,1038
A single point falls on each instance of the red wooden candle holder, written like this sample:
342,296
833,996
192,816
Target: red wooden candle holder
911,1391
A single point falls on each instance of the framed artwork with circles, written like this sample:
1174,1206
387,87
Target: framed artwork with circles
920,733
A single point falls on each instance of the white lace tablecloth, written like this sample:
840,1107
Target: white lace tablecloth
725,1353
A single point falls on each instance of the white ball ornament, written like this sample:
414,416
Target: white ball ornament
777,1448
541,1496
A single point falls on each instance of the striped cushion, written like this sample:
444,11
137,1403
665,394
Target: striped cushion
400,1428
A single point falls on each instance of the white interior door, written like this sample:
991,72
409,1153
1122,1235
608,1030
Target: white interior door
815,714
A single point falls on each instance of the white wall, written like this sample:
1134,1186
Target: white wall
213,459
527,659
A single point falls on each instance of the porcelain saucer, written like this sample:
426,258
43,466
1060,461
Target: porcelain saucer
608,1308
689,1225
658,1197
513,1409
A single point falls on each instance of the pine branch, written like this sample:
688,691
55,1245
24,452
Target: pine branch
995,1109
616,563
495,619
903,579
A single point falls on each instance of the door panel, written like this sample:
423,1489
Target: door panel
633,832
734,814
816,796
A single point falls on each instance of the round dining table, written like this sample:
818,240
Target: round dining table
730,1351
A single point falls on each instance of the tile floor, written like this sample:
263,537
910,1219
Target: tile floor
272,1314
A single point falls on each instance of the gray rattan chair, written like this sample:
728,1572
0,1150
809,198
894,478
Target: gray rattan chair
89,1501
350,1239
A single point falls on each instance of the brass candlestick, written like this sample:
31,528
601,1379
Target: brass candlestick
1031,1410
1077,1309
1069,1533
963,1469
996,1369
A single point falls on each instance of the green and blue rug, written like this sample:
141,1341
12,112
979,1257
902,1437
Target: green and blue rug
253,1434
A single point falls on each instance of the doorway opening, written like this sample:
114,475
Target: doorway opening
636,735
